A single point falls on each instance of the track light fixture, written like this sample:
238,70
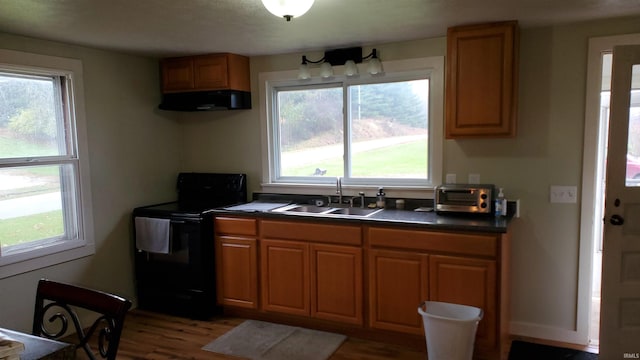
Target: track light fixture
348,57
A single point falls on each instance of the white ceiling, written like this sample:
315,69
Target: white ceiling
188,27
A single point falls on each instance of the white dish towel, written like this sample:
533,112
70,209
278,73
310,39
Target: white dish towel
153,234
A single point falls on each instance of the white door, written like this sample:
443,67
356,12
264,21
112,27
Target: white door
620,309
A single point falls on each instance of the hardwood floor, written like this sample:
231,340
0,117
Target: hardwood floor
149,335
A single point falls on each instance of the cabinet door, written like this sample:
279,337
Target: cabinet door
398,283
468,282
481,95
237,272
336,283
285,276
210,72
177,74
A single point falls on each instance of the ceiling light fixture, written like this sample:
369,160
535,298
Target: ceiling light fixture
348,57
288,9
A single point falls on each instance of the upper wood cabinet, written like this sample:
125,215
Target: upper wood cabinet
205,72
482,80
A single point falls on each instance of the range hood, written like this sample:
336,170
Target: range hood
206,100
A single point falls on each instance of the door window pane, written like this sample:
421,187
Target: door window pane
633,145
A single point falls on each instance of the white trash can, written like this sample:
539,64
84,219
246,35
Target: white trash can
450,329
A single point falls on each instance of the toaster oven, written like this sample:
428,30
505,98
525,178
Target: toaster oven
465,198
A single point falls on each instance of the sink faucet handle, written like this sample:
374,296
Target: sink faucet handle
339,189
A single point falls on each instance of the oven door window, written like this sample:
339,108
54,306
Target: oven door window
181,235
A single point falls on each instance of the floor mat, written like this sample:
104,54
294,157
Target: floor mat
262,340
521,350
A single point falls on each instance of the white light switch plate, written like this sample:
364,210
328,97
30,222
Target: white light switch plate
563,194
451,179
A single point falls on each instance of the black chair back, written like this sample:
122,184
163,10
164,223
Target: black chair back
59,302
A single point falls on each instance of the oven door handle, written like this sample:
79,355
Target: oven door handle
178,221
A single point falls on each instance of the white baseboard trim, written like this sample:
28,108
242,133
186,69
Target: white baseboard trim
547,333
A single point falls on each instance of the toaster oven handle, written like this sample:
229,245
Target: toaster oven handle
460,191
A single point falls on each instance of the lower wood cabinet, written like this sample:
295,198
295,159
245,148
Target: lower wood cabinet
366,278
236,262
312,270
398,283
336,283
411,265
284,273
470,282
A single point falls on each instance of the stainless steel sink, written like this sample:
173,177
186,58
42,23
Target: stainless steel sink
308,209
354,211
324,210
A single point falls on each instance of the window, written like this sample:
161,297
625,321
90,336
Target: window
371,131
45,207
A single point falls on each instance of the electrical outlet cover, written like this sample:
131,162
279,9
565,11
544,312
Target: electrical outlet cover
563,194
451,179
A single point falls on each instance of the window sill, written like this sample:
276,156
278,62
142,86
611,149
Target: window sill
12,265
417,192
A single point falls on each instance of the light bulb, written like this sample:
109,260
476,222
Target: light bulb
350,68
326,71
304,73
288,8
375,66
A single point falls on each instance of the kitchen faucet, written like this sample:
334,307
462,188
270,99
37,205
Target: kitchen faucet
339,189
361,197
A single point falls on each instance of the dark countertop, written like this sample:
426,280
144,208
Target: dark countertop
389,217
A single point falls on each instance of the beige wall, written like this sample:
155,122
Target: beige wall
136,152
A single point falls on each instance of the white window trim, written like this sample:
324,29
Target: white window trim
11,265
434,65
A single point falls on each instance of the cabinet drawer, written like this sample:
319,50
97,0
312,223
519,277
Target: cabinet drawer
301,231
434,241
236,226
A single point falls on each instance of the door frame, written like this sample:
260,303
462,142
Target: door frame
592,127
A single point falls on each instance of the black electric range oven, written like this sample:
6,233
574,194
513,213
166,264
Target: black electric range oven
180,279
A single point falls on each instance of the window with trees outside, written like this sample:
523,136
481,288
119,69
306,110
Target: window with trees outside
368,130
44,205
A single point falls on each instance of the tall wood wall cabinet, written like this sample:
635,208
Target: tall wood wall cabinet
482,80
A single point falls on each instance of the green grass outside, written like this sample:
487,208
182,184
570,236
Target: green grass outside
393,161
12,147
29,228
